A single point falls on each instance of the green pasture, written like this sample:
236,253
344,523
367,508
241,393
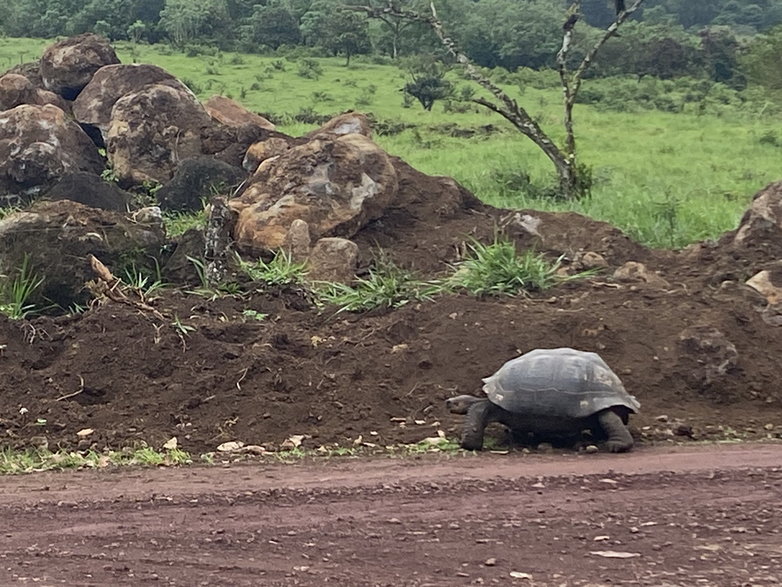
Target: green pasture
666,178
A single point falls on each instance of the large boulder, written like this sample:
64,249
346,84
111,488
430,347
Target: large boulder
762,222
152,130
16,89
57,237
335,185
231,113
91,190
40,144
198,179
92,108
68,65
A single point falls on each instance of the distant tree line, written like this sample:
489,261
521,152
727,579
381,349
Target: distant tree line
724,40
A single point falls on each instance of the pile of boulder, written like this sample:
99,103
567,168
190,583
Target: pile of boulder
82,133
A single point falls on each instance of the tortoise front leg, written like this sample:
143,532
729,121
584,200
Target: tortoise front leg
619,437
478,417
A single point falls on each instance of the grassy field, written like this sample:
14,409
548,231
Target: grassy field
667,179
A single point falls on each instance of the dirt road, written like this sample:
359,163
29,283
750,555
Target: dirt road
709,515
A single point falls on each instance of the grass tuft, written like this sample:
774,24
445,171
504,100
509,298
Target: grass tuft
281,270
16,291
388,286
499,269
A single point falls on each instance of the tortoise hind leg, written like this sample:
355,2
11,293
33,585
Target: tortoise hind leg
478,417
619,437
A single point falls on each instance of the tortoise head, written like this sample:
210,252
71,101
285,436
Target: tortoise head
461,403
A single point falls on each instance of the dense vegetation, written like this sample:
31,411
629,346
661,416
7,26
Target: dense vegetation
669,38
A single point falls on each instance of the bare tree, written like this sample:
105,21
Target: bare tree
572,182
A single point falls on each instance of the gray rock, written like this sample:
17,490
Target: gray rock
333,259
196,180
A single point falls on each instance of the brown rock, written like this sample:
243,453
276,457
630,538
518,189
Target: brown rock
263,150
707,353
68,65
56,237
633,272
333,259
231,113
15,89
344,124
763,219
297,241
110,83
768,283
38,145
152,130
336,186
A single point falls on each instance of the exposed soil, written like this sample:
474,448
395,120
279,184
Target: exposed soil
381,377
701,515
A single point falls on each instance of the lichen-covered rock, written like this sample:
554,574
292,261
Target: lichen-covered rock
335,185
40,144
92,108
231,113
57,237
152,130
91,190
263,150
196,180
16,89
348,123
68,65
763,220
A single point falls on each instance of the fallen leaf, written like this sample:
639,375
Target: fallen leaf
615,554
171,443
84,432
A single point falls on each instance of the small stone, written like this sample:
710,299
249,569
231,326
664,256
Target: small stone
490,562
591,449
662,418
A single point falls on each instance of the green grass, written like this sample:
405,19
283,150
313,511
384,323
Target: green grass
281,270
16,290
386,286
711,164
36,460
178,223
499,269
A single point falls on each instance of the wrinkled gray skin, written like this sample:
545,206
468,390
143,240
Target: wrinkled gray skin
480,412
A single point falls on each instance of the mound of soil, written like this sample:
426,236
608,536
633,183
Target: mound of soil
207,372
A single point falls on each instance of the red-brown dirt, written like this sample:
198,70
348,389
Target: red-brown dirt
698,515
382,376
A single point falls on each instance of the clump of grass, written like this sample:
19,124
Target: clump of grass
144,283
387,286
178,223
281,270
499,269
34,460
15,291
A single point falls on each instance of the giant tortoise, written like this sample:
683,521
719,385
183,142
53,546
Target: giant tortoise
550,393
